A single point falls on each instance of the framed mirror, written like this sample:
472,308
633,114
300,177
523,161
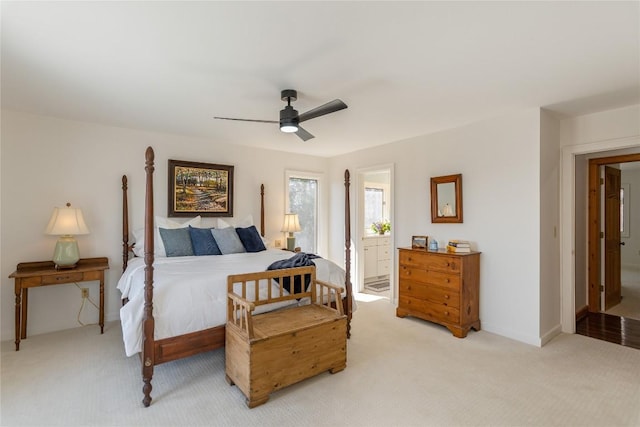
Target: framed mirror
446,198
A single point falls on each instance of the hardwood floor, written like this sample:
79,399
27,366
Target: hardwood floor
615,329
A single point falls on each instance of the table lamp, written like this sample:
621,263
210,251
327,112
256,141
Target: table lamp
66,222
291,225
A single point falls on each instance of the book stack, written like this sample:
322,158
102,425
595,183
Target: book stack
458,246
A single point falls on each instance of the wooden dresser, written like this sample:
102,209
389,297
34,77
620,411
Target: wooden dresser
440,287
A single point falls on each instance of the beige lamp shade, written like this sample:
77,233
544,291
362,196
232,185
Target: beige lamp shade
291,225
66,222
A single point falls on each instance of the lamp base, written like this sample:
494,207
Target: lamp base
66,253
291,243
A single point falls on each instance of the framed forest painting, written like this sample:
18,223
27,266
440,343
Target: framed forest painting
203,189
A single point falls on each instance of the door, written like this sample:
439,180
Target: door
612,282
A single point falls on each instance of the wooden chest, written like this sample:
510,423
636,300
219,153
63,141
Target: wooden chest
269,351
440,287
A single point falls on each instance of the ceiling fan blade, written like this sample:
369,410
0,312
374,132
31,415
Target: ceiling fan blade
303,134
247,120
329,107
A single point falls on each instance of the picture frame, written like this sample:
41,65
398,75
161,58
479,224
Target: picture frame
446,199
197,188
419,242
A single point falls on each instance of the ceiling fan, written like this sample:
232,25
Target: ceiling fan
290,119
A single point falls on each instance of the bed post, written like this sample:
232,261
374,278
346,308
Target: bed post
262,210
148,321
125,224
347,249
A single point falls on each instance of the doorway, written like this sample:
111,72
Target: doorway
607,235
374,232
573,221
613,292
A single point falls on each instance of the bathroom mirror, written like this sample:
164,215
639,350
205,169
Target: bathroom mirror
446,198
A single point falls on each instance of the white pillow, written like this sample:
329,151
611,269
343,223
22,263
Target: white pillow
247,221
160,222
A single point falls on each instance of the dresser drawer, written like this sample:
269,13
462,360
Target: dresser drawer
436,295
62,278
430,261
437,278
425,309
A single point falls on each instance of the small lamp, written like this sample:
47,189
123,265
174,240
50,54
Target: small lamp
291,225
66,222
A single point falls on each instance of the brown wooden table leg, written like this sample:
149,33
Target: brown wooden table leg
18,292
25,310
102,303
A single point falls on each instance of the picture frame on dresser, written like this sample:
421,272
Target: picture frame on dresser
197,188
419,242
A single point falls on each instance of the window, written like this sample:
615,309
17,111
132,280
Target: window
373,207
302,199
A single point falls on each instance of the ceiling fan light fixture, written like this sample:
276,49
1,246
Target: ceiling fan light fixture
288,120
288,127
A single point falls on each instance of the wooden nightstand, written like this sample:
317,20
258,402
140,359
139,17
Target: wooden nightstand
36,274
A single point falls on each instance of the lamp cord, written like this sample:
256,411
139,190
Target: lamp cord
82,306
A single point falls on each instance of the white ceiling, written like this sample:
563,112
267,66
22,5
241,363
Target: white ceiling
404,69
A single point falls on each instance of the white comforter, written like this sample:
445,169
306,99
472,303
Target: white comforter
190,293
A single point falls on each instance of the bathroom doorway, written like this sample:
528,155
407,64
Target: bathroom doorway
374,232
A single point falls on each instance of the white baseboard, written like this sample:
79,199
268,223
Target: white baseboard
554,332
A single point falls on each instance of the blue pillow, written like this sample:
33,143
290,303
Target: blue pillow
177,241
203,241
250,239
228,240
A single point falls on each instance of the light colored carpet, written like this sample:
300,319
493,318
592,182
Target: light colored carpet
630,304
400,372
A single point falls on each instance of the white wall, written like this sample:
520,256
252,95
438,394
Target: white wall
500,164
47,162
602,126
549,223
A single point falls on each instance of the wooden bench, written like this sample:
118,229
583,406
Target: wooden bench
266,352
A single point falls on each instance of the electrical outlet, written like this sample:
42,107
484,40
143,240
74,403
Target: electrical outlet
278,243
85,292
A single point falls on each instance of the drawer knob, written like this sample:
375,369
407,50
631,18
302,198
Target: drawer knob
446,313
446,297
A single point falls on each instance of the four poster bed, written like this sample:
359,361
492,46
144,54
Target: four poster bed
182,287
